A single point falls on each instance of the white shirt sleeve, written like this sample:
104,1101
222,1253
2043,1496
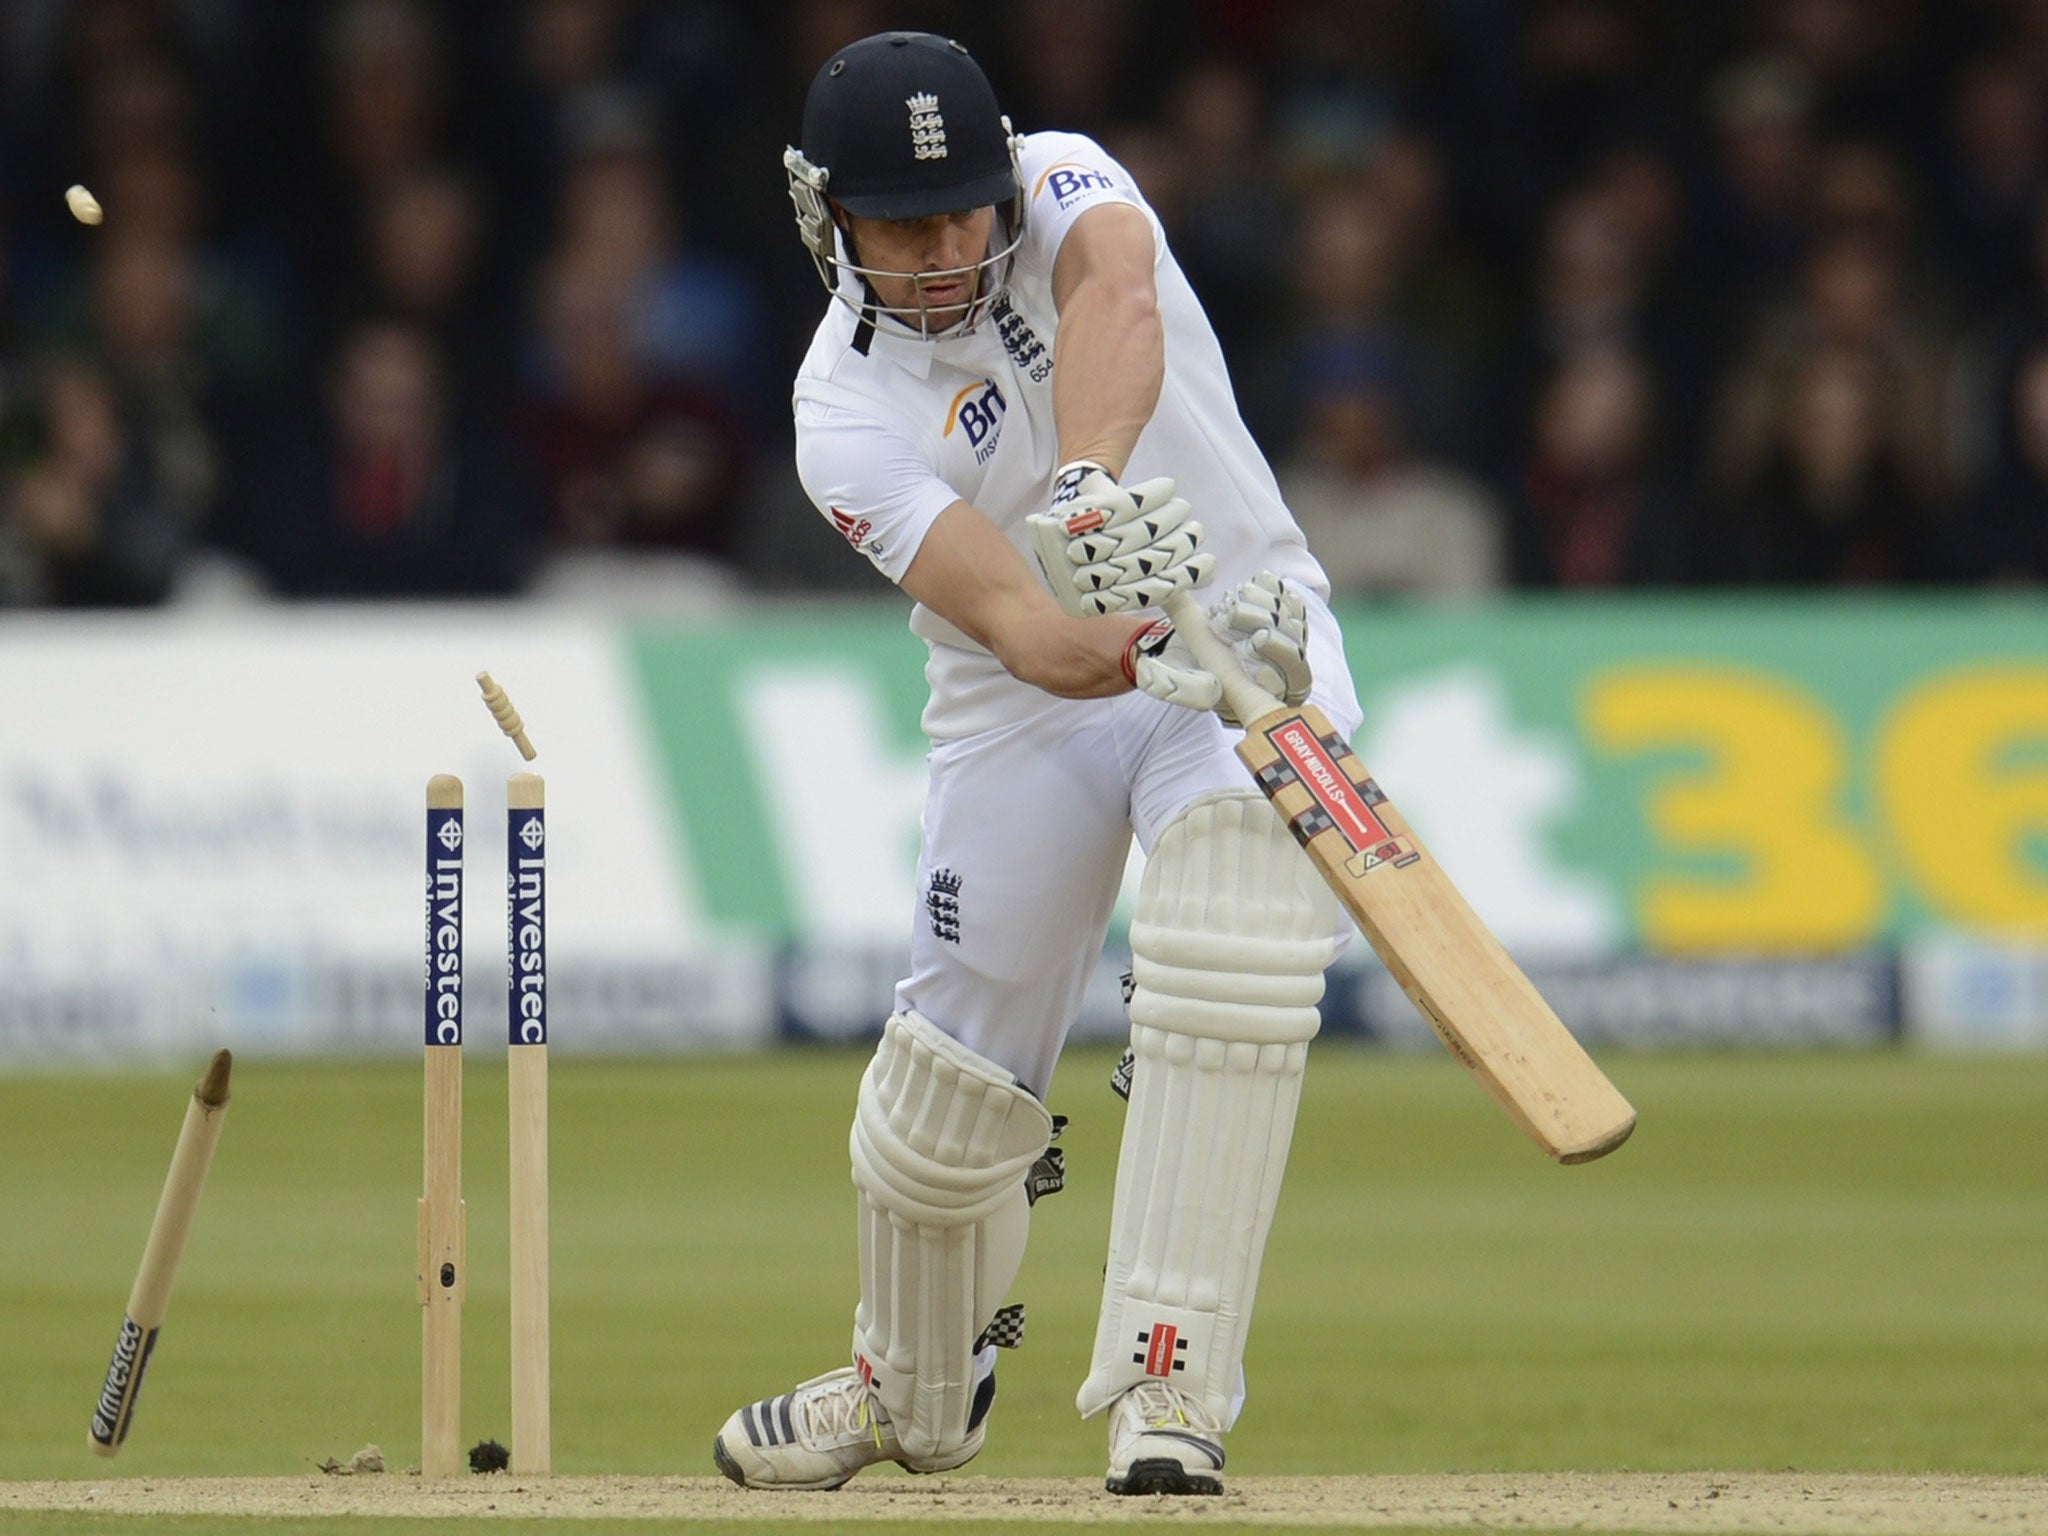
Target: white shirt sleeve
871,483
1065,175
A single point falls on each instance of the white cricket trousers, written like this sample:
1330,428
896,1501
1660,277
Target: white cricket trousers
1026,833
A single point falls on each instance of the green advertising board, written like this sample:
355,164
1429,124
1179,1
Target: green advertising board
1762,774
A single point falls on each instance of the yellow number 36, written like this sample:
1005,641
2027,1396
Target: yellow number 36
1958,790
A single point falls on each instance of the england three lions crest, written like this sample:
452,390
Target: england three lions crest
927,128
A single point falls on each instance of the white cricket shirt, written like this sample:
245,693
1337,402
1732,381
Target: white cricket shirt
891,429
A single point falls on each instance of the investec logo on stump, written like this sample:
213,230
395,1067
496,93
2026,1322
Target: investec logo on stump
131,1354
526,956
444,927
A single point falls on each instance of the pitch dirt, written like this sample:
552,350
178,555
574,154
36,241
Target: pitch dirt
1705,1502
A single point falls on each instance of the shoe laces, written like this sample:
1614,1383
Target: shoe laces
1158,1406
833,1411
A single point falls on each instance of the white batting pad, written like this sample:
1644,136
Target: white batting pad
942,1140
1232,932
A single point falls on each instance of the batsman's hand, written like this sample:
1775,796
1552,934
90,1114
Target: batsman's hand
1109,548
1263,622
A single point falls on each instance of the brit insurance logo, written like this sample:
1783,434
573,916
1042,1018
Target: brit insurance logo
1070,181
978,411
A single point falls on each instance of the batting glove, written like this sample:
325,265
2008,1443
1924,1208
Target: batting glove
1263,622
1108,548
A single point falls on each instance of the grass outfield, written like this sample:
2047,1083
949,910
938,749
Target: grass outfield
1829,1262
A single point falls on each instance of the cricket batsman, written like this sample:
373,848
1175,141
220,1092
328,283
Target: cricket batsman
1015,408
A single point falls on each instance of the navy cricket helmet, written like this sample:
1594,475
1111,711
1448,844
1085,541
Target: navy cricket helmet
902,125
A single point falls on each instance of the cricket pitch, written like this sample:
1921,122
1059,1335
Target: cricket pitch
1781,1502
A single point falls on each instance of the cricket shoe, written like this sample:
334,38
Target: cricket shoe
819,1435
1161,1442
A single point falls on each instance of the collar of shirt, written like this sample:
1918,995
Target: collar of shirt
916,355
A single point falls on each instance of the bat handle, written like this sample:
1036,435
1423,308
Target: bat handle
1247,700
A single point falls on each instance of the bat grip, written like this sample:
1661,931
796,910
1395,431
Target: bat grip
1247,700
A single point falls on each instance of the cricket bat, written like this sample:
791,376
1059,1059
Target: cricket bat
1489,1015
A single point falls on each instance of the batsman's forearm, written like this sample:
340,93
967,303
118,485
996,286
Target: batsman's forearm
1110,361
1067,657
971,576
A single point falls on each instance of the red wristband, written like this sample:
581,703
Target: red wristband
1128,661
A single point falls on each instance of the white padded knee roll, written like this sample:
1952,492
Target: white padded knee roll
1232,932
1233,927
942,1140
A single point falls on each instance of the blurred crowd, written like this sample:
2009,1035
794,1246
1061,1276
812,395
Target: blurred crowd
452,297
